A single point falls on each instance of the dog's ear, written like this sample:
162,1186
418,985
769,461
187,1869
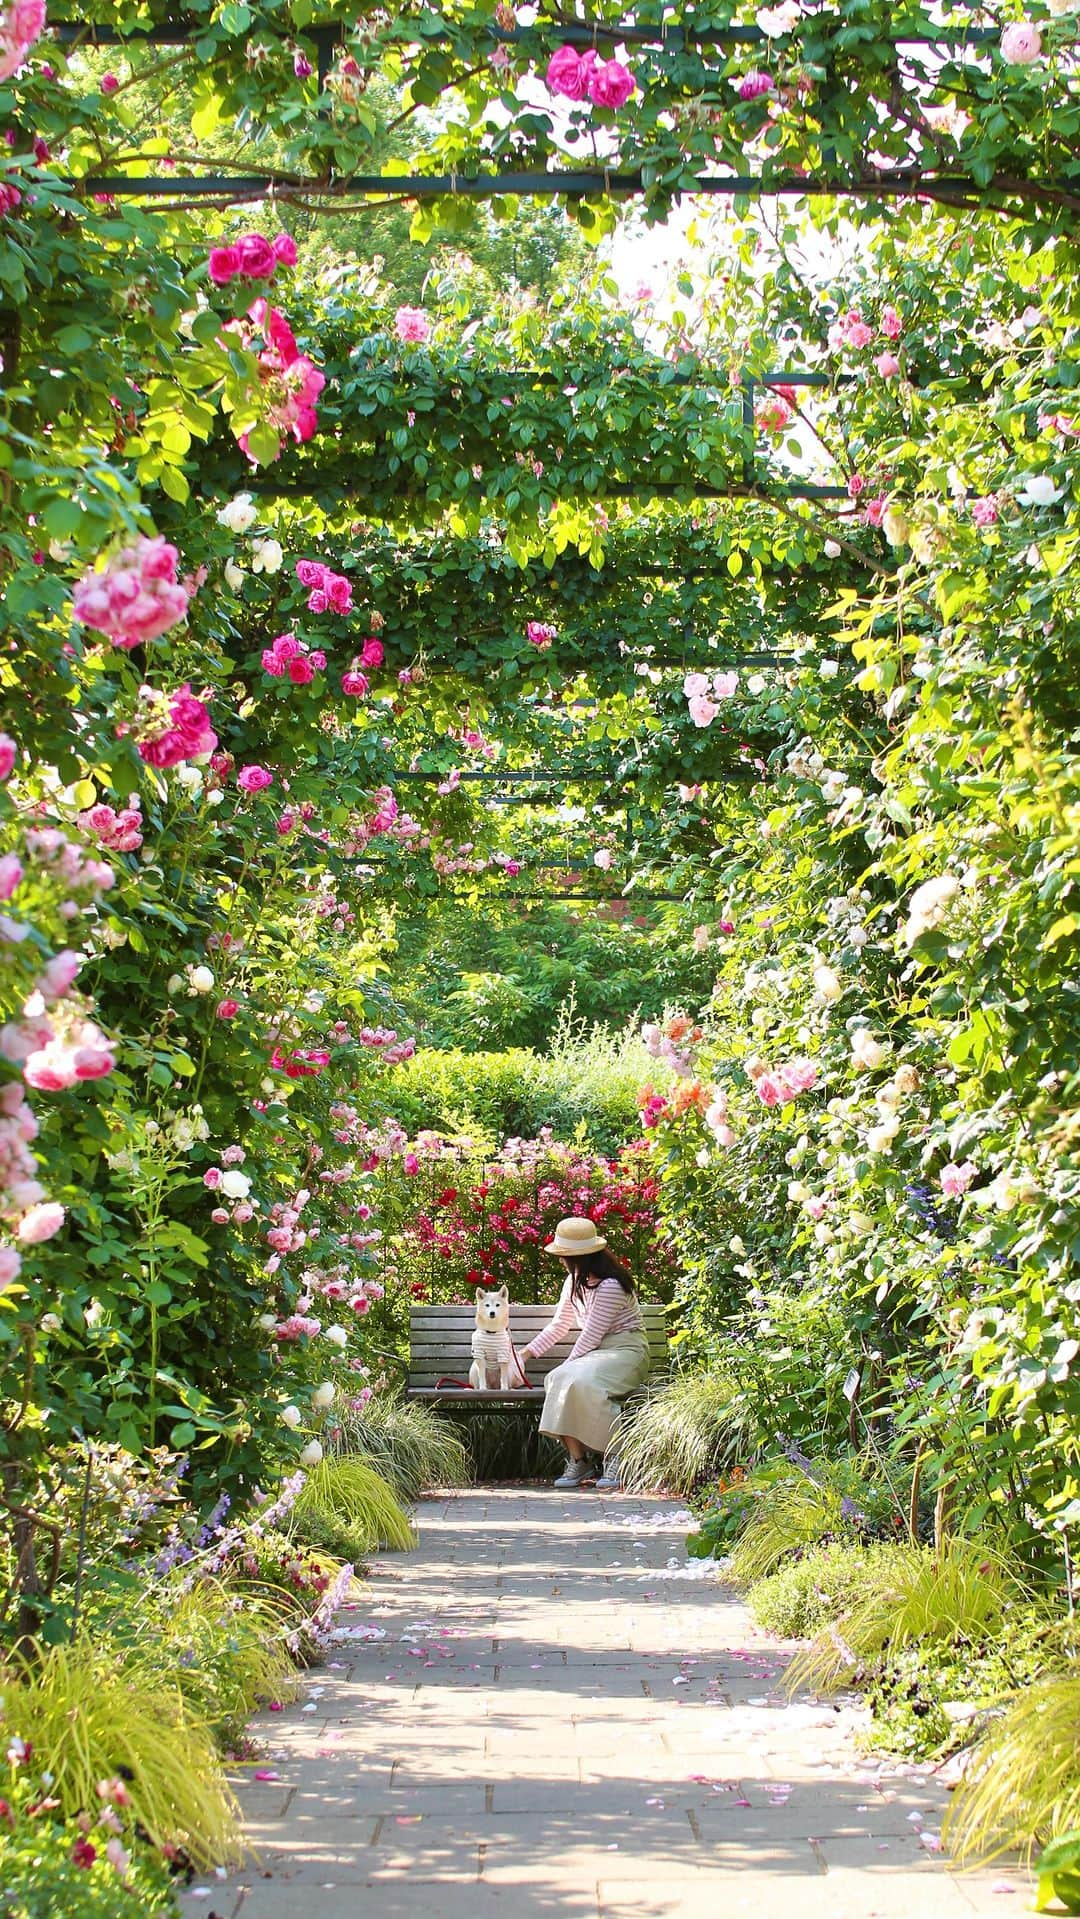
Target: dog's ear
504,1293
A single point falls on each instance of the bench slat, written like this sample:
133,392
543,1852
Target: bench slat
440,1341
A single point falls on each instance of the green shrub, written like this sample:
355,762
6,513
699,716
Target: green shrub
346,1507
40,1879
799,1501
688,1430
804,1595
409,1444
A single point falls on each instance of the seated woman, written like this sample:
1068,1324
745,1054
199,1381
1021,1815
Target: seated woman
609,1358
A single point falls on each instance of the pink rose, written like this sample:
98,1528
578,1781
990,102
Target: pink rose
373,653
984,512
753,85
770,1089
212,1178
887,365
799,1075
224,265
254,779
228,1008
93,1062
412,326
284,250
725,685
40,1223
702,710
301,672
310,572
256,256
610,84
564,74
109,83
59,975
10,1266
354,684
954,1180
8,750
875,510
892,325
1021,44
10,875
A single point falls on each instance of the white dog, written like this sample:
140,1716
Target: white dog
491,1348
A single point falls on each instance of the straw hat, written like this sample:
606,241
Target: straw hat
574,1238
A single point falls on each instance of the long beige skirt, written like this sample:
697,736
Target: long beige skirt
580,1395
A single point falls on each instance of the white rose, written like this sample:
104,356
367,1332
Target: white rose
832,551
200,979
1038,490
896,526
866,1051
736,1246
311,1454
827,984
190,777
828,669
337,1335
239,513
173,984
267,1322
234,575
235,1184
215,796
266,556
290,1417
756,683
323,1396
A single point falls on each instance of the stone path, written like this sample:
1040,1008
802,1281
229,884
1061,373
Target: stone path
546,1710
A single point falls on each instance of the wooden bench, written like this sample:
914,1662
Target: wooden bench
440,1345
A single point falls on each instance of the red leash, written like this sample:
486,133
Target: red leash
466,1386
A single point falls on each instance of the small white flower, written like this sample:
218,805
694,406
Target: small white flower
827,984
239,514
267,1322
832,551
311,1454
173,984
828,669
234,575
1038,490
756,683
866,1051
200,979
189,777
323,1396
215,796
235,1184
290,1415
337,1335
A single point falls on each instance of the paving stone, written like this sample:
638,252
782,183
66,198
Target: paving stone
534,1735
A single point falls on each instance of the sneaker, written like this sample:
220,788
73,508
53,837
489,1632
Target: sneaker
578,1472
609,1480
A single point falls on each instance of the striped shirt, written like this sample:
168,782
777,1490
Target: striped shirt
600,1310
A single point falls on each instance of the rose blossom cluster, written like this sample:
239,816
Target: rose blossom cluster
136,597
539,634
300,1063
384,1041
776,410
652,1107
172,727
578,76
777,1085
673,1042
292,659
23,1203
21,23
853,332
67,862
291,382
117,831
329,592
252,257
702,694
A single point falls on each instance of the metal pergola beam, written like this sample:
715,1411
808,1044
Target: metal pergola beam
571,183
574,33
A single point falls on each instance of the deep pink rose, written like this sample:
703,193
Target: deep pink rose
285,250
372,654
310,572
355,684
301,672
228,1008
254,779
93,1062
753,85
610,84
257,257
224,265
8,750
10,874
564,75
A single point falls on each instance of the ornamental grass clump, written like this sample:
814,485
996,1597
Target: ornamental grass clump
692,1429
345,1506
805,1595
86,1720
408,1444
226,1652
911,1595
1024,1785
